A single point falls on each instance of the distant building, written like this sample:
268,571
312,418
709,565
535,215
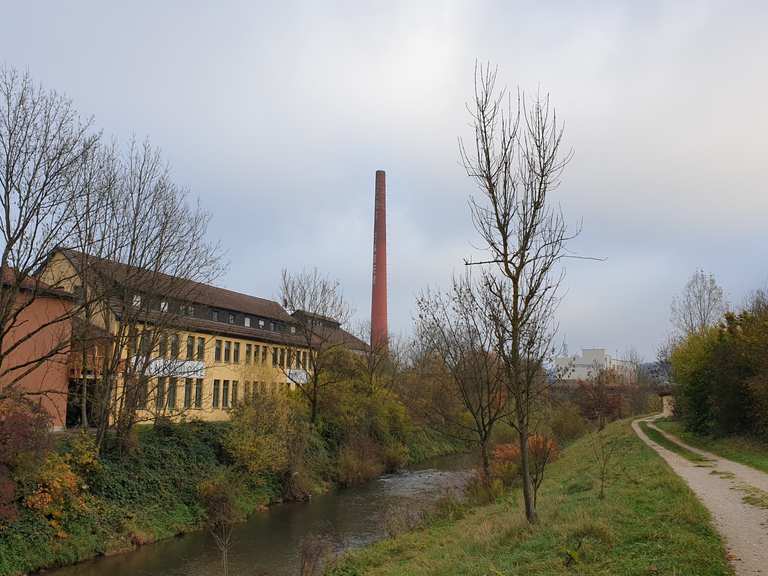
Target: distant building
589,363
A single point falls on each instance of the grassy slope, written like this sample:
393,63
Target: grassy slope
649,523
748,451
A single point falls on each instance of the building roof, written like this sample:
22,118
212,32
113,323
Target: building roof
214,297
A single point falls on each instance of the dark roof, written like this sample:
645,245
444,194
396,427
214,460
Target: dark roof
215,297
196,292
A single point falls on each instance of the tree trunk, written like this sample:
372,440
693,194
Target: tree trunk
530,506
486,462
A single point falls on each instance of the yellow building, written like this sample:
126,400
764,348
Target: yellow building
201,349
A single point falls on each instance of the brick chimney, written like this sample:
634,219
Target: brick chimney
379,333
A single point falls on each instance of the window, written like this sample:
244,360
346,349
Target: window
282,357
304,359
274,356
225,394
215,401
293,329
231,318
227,350
261,323
190,347
272,326
247,392
174,346
234,392
215,315
201,349
247,322
199,393
137,300
163,306
132,344
163,346
247,353
160,393
187,392
236,354
218,351
263,354
172,393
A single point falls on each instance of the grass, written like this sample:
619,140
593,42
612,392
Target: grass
749,451
665,442
649,523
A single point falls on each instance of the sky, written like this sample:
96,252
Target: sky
276,115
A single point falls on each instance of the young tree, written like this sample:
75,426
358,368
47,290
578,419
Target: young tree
700,305
318,305
516,161
456,328
47,157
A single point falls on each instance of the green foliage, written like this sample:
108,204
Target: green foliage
566,422
257,439
722,375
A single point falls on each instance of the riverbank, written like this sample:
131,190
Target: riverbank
118,502
648,523
742,449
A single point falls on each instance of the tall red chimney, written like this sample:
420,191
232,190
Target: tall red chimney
379,290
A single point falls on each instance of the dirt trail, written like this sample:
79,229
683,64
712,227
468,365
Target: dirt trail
736,496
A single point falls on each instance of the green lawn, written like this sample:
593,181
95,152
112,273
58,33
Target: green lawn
649,523
662,440
749,451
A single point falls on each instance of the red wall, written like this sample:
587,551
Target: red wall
52,376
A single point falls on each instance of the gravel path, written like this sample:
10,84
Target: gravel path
736,496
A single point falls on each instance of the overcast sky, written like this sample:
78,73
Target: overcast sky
276,115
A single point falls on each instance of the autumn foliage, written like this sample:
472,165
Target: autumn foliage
505,461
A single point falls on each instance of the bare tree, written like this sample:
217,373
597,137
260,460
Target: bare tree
456,328
700,305
376,367
318,306
516,161
46,164
140,283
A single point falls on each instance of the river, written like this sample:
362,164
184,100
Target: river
269,542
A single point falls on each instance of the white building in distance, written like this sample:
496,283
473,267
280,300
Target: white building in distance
591,361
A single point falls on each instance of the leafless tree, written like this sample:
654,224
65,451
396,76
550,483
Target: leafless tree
141,284
516,160
377,366
456,327
604,448
319,308
700,305
47,157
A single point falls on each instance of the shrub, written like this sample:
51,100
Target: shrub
506,465
567,423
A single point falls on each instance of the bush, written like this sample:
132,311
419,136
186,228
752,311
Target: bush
567,423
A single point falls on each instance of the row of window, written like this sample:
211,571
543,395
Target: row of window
225,393
228,351
215,315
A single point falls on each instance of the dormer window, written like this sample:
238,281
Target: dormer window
231,318
247,322
137,300
215,315
272,326
163,306
261,323
293,329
